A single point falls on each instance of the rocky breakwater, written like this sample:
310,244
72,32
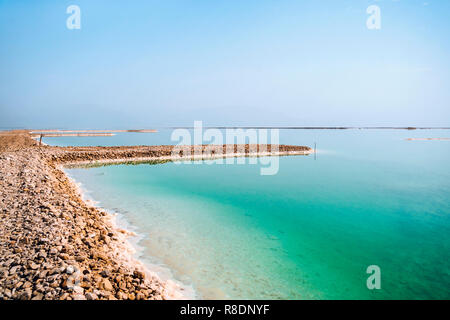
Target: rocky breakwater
54,246
68,155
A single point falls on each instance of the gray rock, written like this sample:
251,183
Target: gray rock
70,270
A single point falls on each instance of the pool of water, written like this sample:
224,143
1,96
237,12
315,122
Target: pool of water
369,197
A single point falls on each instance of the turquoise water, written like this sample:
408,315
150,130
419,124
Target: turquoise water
308,232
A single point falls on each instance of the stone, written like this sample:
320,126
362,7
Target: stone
140,296
105,273
91,296
99,255
70,269
80,258
64,296
38,296
121,295
67,284
64,256
78,290
139,274
123,285
26,294
106,285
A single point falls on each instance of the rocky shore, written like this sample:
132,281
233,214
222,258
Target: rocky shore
53,245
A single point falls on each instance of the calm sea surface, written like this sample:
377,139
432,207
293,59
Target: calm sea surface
309,232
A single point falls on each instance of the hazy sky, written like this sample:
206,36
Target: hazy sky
170,62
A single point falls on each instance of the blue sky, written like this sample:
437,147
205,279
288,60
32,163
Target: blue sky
170,62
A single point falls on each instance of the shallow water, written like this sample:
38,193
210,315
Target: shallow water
368,198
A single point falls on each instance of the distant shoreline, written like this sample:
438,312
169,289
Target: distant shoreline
53,135
427,139
58,131
64,131
317,128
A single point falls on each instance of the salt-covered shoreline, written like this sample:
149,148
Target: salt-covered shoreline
130,251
